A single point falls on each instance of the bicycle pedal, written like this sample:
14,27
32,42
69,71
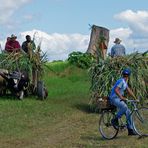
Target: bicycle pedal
122,127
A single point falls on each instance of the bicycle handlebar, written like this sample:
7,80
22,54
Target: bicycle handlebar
135,101
131,101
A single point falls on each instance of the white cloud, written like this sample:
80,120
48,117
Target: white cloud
131,44
8,7
58,46
137,21
124,34
136,35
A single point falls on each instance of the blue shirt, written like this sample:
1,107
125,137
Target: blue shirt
117,50
122,84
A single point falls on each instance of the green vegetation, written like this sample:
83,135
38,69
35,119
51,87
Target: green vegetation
106,72
82,60
64,120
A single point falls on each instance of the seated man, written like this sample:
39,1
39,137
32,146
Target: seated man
12,45
28,44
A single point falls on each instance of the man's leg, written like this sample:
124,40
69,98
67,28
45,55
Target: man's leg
129,119
129,123
122,107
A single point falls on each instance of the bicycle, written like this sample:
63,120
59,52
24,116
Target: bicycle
138,115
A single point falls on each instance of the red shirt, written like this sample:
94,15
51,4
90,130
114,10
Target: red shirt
12,46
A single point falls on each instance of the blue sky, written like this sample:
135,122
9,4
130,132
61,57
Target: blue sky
63,25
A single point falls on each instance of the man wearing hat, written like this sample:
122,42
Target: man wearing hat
12,44
118,49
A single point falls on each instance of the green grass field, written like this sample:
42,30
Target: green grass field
64,120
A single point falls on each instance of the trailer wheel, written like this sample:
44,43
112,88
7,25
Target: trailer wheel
41,90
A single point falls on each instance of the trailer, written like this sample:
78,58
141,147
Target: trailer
29,65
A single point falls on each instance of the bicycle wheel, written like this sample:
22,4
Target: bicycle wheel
140,121
105,127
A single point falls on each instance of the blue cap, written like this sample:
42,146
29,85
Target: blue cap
126,71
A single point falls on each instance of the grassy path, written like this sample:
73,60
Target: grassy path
62,121
73,127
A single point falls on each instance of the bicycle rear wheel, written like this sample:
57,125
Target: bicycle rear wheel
140,121
105,127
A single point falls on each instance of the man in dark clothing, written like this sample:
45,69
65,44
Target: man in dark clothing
28,45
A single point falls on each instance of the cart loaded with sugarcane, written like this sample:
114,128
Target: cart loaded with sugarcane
21,74
106,70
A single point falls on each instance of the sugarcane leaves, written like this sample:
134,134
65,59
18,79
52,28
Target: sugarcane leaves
106,72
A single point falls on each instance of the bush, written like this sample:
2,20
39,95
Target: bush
82,60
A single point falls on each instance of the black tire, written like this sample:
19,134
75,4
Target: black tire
140,121
41,90
105,127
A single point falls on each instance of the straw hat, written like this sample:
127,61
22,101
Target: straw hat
13,36
117,40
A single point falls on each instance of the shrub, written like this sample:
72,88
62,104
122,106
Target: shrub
82,60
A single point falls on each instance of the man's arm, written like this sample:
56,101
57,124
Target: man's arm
17,46
34,46
112,52
118,93
8,47
123,50
131,92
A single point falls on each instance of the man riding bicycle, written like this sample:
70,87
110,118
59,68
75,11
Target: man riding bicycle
117,99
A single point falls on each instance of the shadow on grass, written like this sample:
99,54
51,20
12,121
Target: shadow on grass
15,98
8,97
99,142
85,108
99,138
92,138
89,140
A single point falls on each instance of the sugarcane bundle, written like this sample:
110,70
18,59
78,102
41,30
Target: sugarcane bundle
21,61
105,73
38,60
15,61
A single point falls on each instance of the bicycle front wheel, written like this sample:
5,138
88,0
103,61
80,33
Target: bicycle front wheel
140,121
105,127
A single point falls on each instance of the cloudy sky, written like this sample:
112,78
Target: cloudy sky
63,26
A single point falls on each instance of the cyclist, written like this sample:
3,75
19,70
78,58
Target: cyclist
117,98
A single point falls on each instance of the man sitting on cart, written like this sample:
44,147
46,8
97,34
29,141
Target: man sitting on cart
12,45
28,45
